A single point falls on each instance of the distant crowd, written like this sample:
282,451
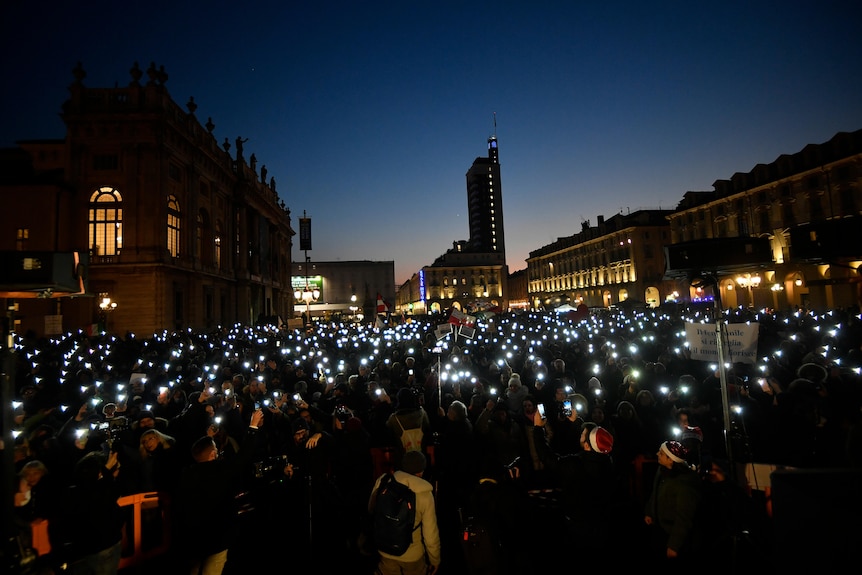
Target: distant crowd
142,405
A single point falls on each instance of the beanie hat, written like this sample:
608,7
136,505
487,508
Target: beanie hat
145,415
354,424
675,450
601,440
413,462
299,424
405,398
594,383
689,432
813,372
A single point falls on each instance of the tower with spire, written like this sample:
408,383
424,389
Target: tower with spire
485,203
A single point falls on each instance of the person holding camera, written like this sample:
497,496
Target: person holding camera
320,519
86,532
204,516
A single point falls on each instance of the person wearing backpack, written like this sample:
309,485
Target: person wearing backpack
409,424
422,555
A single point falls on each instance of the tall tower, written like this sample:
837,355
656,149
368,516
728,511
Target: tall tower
485,204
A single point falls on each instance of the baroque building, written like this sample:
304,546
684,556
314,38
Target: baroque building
805,210
178,230
619,259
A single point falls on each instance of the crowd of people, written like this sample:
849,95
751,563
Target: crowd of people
545,436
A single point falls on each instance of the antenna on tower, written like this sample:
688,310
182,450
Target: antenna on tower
495,125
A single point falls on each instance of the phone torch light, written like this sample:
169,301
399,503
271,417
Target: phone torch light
664,389
17,404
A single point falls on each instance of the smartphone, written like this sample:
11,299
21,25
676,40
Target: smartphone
567,408
256,405
541,407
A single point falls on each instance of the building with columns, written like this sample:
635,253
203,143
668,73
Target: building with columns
179,231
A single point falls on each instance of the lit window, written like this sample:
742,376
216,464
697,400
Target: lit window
174,223
106,222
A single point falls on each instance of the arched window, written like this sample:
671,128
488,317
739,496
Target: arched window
173,226
106,222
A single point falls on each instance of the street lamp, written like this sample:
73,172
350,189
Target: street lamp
353,306
749,281
307,295
105,306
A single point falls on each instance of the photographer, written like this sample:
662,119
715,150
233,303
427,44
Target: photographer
87,531
319,518
205,513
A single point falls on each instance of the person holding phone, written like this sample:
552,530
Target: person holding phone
591,490
204,517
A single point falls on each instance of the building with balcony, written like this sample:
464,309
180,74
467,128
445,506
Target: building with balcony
804,208
179,231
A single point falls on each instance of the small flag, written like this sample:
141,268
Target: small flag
382,305
457,317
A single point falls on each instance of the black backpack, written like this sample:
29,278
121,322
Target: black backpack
393,516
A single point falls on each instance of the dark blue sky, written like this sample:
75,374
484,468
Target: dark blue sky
368,114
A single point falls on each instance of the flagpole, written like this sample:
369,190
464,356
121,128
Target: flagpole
439,383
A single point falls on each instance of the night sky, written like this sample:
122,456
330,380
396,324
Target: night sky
369,114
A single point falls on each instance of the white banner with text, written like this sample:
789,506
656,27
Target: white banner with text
741,342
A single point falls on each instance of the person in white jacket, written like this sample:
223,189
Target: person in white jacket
423,555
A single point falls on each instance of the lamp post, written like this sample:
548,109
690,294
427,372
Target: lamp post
353,306
105,306
749,281
307,295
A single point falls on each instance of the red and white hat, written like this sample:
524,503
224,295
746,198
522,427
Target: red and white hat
601,440
675,450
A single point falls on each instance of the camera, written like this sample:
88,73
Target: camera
270,468
110,428
342,412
